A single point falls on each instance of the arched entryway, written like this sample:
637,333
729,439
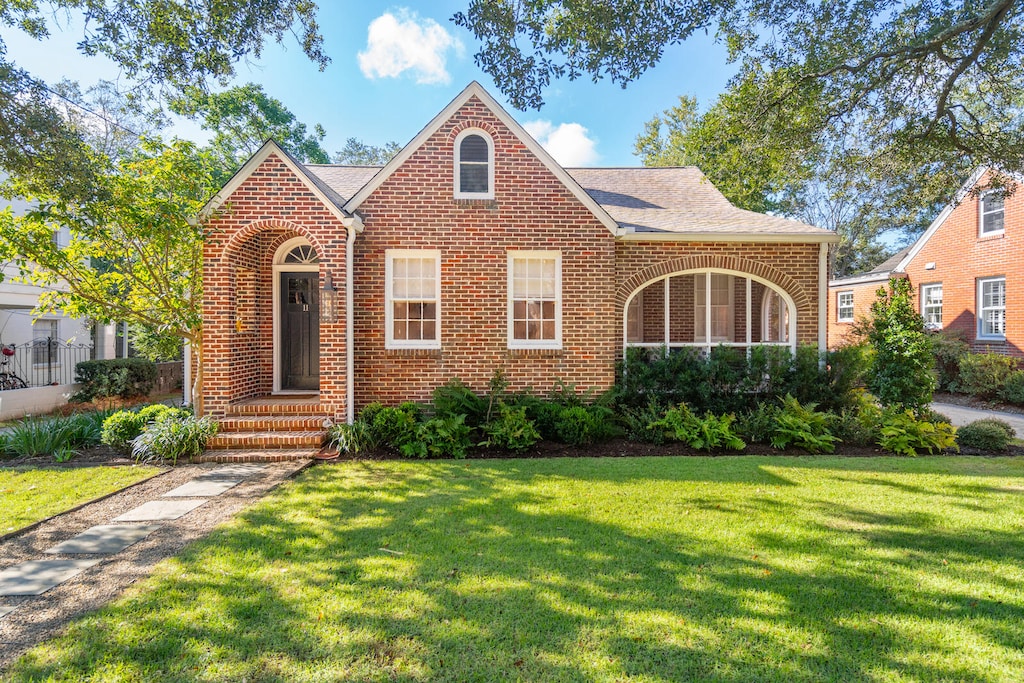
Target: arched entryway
296,312
708,307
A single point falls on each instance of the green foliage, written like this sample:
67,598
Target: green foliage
511,430
455,398
949,347
1013,388
57,436
390,427
242,118
121,377
439,437
708,432
349,438
757,424
358,153
989,435
728,381
857,425
984,374
123,426
903,433
800,426
638,423
902,366
155,345
173,436
582,425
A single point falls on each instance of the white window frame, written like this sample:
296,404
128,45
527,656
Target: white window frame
703,310
982,212
769,298
981,310
457,174
389,310
840,306
514,343
54,327
925,288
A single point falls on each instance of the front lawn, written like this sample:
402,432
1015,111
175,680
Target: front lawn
656,569
29,494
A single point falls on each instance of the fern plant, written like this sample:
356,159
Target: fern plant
705,433
800,426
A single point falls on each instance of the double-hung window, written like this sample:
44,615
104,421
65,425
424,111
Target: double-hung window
718,298
413,299
991,209
534,300
844,307
992,308
931,305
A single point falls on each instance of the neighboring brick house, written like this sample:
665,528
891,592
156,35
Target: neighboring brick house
473,250
966,271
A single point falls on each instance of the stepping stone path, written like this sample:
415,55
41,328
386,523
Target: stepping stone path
35,577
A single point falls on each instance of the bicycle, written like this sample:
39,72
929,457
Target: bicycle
9,380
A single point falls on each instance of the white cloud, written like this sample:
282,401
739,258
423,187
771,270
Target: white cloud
401,41
568,143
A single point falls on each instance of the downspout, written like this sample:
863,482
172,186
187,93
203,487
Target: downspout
352,226
822,301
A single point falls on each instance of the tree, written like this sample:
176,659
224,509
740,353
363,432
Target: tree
926,78
135,251
358,153
159,46
901,370
243,118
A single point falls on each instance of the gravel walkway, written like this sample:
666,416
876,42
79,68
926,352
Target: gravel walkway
36,618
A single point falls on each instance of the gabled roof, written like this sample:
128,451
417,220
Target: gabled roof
680,201
324,192
880,273
474,89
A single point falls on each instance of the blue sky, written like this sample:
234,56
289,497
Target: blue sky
395,66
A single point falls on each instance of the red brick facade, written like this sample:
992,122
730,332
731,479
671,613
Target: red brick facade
414,208
957,256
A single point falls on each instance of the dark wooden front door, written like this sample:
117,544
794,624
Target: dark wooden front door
300,331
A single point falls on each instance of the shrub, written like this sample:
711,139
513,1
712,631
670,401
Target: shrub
800,426
850,427
579,425
984,374
710,431
120,377
758,424
511,429
390,427
985,435
455,398
173,437
949,348
120,428
639,423
1013,388
439,437
902,366
903,433
543,414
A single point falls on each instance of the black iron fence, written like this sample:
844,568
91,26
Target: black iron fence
41,362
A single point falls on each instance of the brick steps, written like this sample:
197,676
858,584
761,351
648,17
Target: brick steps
269,430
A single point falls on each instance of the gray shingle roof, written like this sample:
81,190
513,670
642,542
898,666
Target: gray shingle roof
652,200
676,200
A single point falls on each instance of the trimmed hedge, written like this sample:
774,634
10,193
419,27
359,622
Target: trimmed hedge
121,377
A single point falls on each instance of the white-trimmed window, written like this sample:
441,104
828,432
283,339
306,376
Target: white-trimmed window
774,317
844,307
413,299
991,210
719,298
992,308
534,300
474,165
931,305
44,342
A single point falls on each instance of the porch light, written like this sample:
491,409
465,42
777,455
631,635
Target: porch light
328,301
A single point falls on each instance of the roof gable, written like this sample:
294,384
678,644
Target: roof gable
474,89
333,201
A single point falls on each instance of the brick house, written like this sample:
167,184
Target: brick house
474,250
965,269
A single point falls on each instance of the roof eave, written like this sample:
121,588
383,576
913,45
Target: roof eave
823,237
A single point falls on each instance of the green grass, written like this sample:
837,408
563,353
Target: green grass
659,569
29,494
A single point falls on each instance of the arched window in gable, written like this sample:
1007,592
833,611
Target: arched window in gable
474,165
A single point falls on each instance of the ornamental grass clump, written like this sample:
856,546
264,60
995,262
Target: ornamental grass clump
173,436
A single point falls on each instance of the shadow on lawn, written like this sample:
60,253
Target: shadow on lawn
463,572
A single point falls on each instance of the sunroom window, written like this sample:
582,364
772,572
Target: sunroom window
705,309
